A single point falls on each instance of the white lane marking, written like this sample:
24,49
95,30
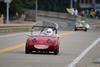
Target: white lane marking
83,53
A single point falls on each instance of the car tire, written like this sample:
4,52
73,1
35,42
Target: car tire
56,51
75,29
27,51
85,30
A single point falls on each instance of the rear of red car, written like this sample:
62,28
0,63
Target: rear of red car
42,43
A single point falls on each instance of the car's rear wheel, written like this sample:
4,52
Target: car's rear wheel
56,51
75,29
27,51
85,29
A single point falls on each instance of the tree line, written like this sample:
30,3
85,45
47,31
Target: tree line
53,5
17,6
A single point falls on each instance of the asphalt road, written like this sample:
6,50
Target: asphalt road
72,44
63,24
77,49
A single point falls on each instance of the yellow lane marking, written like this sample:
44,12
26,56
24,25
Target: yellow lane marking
66,33
3,50
12,47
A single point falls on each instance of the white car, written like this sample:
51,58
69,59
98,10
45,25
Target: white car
81,26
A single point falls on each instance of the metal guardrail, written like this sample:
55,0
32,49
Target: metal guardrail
5,28
15,27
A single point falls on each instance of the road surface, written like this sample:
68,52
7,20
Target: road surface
72,44
77,49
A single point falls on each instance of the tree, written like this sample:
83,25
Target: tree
17,6
54,5
2,8
30,4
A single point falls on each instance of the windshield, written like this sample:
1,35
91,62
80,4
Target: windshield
42,31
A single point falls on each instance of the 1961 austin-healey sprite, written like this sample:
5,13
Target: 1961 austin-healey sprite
40,40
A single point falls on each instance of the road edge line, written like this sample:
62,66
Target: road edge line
75,61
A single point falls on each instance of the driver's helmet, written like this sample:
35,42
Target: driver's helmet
49,32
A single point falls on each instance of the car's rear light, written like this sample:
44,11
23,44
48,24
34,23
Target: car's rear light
34,40
49,41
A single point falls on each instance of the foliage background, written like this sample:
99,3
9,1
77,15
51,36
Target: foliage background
17,6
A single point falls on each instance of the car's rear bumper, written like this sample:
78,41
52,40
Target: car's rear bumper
50,48
80,28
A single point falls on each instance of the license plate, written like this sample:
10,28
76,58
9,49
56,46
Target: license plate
41,46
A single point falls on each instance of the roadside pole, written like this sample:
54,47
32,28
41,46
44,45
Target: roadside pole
71,3
7,10
36,8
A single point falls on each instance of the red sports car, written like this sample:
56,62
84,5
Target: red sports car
39,41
